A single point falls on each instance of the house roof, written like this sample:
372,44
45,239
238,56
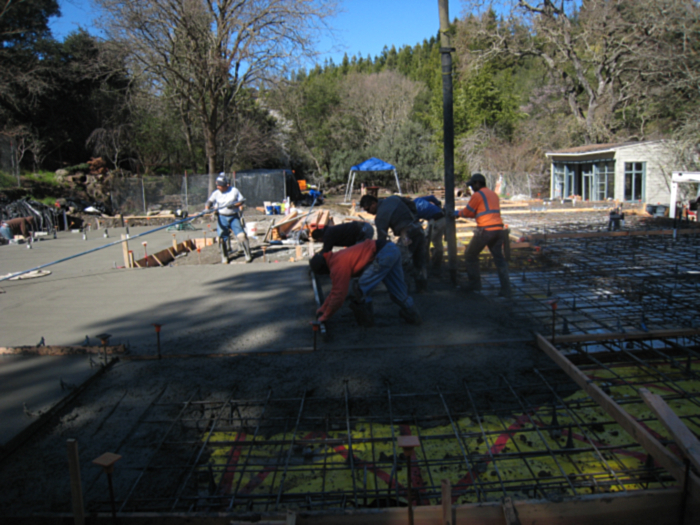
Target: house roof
596,148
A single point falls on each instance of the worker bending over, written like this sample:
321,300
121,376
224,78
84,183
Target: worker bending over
485,207
395,213
20,226
228,202
429,209
373,262
344,235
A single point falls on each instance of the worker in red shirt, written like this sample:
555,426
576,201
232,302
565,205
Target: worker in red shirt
373,262
485,207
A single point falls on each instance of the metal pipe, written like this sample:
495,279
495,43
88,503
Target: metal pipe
17,274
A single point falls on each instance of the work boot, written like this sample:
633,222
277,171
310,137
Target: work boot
411,315
248,255
245,244
224,252
364,314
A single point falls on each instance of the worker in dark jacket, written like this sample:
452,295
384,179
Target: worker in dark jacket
394,213
429,209
485,207
373,262
344,235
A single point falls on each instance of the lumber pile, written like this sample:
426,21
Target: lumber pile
295,222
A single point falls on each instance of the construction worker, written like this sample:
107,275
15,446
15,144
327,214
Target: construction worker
399,214
228,202
429,209
373,262
485,207
344,235
20,226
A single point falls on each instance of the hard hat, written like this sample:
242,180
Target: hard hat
222,179
476,177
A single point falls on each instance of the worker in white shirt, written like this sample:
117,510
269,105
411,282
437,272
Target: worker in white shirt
228,202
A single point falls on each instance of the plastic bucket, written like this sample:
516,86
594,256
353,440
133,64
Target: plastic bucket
252,229
278,209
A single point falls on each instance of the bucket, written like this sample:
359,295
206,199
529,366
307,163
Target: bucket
269,210
278,209
251,229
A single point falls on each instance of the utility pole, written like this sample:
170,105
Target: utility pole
446,50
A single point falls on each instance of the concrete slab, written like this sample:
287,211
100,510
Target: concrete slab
207,309
35,382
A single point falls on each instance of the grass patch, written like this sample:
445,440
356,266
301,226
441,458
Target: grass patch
7,180
48,201
47,177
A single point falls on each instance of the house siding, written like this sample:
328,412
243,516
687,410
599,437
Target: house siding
657,157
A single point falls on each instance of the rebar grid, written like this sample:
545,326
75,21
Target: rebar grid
539,439
607,285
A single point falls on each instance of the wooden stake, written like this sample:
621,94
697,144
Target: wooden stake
76,487
446,502
175,242
125,252
298,253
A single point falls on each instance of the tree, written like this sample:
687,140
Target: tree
22,24
208,53
595,51
380,103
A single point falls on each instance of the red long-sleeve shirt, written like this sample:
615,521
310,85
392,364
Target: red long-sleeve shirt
344,265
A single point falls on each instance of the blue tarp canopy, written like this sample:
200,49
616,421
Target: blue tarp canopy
371,164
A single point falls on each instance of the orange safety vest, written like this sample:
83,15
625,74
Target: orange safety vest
486,208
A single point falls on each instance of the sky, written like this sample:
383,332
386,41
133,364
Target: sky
363,28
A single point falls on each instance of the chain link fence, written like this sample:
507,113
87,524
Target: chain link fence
138,195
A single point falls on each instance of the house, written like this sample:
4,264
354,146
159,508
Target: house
626,172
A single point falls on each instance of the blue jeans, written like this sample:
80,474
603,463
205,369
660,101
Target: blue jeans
6,232
386,268
227,223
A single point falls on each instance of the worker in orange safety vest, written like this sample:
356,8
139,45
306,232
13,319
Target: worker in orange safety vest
485,207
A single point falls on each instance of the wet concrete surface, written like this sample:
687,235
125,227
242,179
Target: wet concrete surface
258,314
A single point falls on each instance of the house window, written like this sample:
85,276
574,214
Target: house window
605,180
559,178
634,180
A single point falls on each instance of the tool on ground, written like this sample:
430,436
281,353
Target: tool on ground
107,461
157,327
408,443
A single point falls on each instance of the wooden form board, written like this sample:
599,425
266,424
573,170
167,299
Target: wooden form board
62,350
681,434
652,507
630,425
